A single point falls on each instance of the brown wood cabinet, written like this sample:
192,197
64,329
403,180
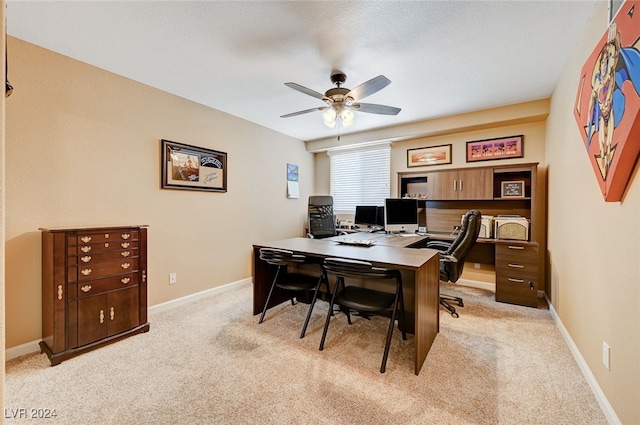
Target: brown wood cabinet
94,288
445,195
517,273
460,184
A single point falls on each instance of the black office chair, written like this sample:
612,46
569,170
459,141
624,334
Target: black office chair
321,219
453,254
364,300
293,282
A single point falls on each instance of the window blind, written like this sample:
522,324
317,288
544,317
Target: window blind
359,176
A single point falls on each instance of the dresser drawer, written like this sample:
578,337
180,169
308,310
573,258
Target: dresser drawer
91,249
96,257
98,286
82,238
85,272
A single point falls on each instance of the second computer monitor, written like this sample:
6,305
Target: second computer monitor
365,215
401,215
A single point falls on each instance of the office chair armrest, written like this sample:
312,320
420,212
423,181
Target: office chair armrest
438,245
448,258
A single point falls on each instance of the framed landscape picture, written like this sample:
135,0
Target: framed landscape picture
192,168
432,155
501,148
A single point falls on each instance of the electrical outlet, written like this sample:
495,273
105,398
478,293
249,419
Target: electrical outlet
605,355
173,278
476,265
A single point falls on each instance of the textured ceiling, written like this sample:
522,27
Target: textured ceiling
443,57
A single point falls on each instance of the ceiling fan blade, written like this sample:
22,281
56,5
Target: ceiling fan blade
306,111
372,108
369,87
305,90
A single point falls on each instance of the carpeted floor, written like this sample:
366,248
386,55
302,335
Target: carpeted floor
209,362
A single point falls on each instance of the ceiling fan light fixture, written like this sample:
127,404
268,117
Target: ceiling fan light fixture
329,116
346,116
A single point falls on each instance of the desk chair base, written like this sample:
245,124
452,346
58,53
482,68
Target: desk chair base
446,300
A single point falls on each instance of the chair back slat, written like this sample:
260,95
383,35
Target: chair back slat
356,268
280,257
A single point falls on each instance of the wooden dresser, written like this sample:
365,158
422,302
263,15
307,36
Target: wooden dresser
94,288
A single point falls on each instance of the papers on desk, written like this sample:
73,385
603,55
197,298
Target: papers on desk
356,242
407,235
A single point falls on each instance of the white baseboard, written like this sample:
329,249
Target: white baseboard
34,346
21,350
606,407
198,295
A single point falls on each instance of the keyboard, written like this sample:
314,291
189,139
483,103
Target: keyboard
356,242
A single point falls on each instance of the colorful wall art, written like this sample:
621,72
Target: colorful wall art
607,107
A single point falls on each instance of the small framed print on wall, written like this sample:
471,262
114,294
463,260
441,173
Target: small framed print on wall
192,168
502,148
432,155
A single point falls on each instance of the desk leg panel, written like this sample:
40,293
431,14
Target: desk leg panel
427,310
263,275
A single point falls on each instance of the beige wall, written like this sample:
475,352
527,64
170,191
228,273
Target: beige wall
83,148
594,246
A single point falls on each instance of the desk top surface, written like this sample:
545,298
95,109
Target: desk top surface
388,250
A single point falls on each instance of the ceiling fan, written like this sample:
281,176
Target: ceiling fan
341,101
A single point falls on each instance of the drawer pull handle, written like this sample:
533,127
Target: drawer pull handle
125,280
85,272
86,288
85,249
516,266
86,258
85,239
112,313
513,279
144,276
125,265
125,253
515,247
106,235
101,316
531,285
60,292
125,245
106,244
126,236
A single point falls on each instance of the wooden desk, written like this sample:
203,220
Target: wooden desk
419,267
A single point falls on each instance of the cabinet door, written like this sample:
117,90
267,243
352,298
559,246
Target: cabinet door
475,184
444,185
92,319
122,310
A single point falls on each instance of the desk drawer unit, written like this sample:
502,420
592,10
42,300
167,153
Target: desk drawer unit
517,274
94,288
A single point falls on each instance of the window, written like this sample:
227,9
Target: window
359,176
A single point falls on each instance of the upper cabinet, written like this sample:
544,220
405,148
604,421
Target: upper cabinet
458,184
495,190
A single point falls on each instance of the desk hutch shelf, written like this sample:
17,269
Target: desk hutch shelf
445,195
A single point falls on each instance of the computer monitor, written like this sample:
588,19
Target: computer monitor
365,215
380,217
400,215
